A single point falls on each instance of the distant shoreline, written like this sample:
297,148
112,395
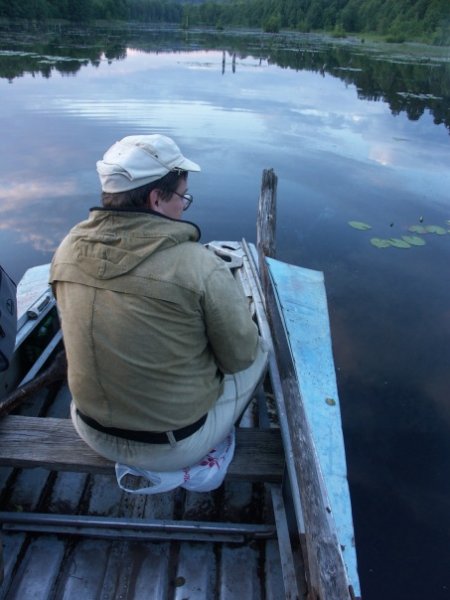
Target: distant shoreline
344,37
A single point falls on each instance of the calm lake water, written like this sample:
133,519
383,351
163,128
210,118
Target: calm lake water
354,132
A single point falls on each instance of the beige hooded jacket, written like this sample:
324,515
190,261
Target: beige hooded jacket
151,319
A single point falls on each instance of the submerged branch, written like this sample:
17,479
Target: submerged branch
57,371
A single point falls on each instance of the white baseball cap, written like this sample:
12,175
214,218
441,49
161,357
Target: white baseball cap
137,160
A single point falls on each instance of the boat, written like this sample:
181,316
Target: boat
280,526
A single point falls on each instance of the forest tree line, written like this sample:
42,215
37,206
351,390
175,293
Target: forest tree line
399,19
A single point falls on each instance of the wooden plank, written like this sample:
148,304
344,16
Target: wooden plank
54,444
250,262
301,299
84,570
288,566
5,473
196,572
239,576
152,572
136,579
327,576
38,570
12,544
274,583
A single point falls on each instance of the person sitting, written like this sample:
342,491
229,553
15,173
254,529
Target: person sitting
163,354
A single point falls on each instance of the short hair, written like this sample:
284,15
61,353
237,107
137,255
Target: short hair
137,198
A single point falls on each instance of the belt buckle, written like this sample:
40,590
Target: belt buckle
171,438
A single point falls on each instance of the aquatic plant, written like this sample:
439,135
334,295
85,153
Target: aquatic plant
436,229
399,243
359,225
380,242
414,240
406,241
417,229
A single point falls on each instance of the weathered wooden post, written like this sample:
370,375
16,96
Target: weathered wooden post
266,222
267,213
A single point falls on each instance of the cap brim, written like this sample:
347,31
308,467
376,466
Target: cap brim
188,165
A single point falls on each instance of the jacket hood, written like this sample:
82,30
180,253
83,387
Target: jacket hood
111,243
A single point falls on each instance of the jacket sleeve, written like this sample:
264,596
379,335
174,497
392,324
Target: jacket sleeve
231,331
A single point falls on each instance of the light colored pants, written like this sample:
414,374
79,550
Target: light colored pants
237,393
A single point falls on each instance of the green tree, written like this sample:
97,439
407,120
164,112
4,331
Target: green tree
314,15
272,24
79,10
350,19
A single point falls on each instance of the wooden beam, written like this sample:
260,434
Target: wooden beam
326,569
54,444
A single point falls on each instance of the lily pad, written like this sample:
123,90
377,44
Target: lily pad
359,225
398,243
417,229
414,240
436,229
380,243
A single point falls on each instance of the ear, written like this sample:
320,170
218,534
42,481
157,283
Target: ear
154,201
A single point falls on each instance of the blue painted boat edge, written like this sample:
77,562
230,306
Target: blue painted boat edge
302,302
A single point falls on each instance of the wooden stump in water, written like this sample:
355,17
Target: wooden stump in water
267,214
266,222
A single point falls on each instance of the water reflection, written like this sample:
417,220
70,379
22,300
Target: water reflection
238,104
33,199
407,83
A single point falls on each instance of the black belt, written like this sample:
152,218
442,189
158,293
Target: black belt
150,437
